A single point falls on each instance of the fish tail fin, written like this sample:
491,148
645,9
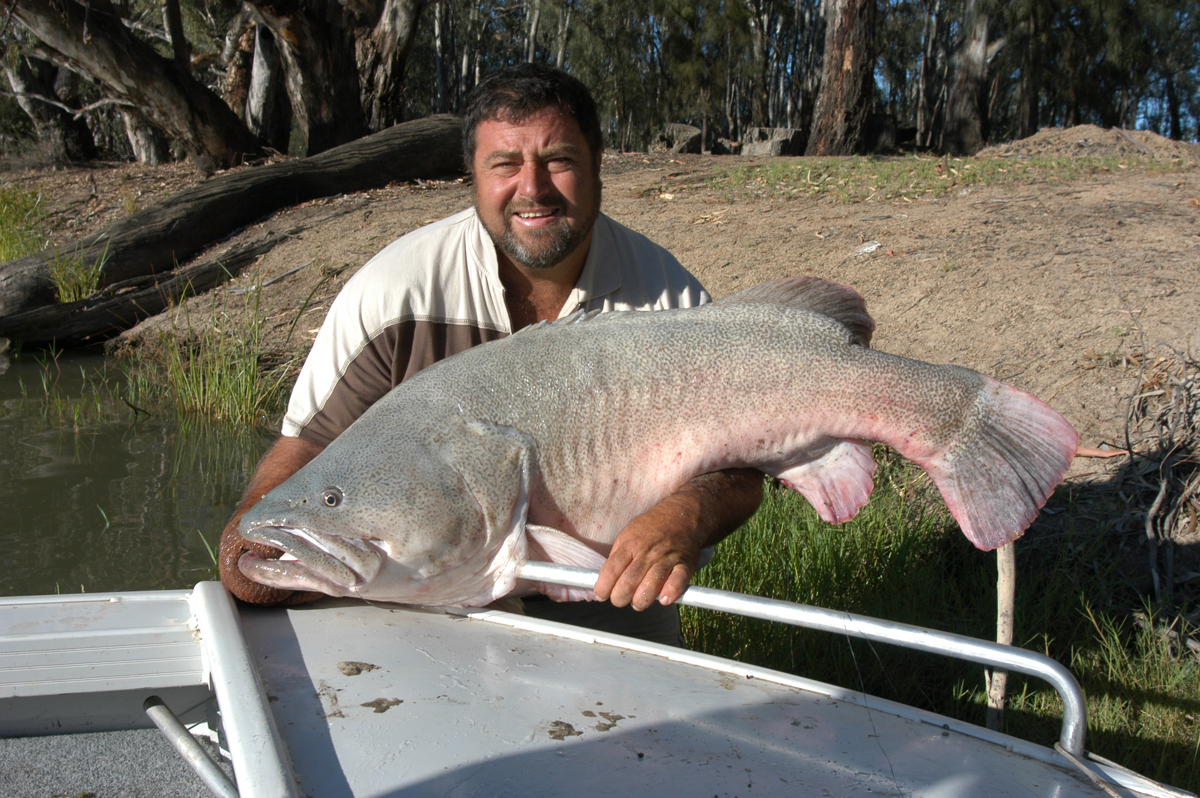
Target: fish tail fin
998,474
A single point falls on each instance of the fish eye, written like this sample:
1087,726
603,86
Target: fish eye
332,497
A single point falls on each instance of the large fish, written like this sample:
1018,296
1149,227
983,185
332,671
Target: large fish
544,445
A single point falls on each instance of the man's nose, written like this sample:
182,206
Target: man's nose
534,182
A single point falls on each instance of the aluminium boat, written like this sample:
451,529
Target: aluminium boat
346,698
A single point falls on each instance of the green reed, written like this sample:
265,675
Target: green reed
220,370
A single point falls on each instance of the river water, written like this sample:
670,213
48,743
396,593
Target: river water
99,498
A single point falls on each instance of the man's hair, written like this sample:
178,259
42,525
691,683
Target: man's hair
516,93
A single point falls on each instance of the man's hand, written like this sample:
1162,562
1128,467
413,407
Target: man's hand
655,556
285,458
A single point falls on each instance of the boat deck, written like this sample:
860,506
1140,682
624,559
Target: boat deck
341,698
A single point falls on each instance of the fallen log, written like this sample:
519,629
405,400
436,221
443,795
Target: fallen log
122,305
154,240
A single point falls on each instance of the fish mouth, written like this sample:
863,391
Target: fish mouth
312,560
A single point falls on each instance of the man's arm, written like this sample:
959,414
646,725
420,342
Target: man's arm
655,556
285,458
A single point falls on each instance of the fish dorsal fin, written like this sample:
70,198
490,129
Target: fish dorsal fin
842,304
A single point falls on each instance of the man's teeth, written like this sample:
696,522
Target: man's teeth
534,214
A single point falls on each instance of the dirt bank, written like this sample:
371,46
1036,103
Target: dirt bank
1058,288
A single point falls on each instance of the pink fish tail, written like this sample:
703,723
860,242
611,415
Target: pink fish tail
1002,467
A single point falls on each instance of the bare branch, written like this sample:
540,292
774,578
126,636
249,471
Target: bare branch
76,113
149,30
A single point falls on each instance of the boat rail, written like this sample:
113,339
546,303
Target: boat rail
1009,658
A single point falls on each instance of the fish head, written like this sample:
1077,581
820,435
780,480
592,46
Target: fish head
438,521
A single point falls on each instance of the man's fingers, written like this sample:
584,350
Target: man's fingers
610,572
677,582
640,587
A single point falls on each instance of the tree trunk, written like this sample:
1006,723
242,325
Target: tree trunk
439,60
1031,88
964,116
758,64
382,58
1173,110
148,145
61,137
154,240
535,14
267,112
924,80
173,24
239,70
122,306
564,30
95,41
847,81
317,46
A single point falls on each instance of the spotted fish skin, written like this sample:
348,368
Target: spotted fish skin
544,445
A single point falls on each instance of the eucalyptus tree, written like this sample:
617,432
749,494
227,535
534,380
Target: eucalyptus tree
847,80
95,40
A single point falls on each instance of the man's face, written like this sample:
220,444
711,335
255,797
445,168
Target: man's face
537,187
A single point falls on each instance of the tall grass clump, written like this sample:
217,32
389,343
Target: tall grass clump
220,371
21,223
75,275
904,559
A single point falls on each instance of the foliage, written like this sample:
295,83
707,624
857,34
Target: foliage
727,65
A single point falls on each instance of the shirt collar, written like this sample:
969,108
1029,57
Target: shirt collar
601,273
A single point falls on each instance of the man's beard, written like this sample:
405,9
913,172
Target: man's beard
544,249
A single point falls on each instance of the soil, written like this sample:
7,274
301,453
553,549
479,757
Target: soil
1079,292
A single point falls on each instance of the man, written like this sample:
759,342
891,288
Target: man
534,247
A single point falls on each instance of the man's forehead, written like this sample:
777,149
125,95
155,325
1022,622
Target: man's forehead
549,128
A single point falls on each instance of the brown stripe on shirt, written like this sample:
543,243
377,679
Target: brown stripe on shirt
398,352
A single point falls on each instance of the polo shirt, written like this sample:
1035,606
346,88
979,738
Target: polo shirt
435,292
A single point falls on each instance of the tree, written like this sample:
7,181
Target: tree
94,40
847,79
62,136
965,128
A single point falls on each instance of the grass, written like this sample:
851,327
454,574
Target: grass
903,559
848,180
22,231
74,275
220,371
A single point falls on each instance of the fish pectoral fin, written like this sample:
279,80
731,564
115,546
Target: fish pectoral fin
838,483
561,549
496,464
